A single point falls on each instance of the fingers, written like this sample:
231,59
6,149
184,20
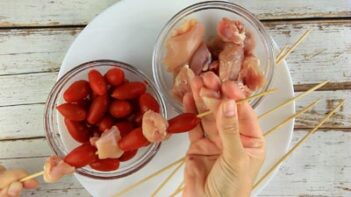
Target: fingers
10,176
15,189
31,184
228,126
211,80
189,106
2,169
248,123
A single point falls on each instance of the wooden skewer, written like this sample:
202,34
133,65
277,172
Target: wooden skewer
125,190
312,131
282,52
293,99
32,176
293,47
177,191
167,179
291,117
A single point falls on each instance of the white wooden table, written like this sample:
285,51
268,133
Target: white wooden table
35,34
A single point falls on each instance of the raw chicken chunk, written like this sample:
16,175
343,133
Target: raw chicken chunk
201,59
182,45
154,126
55,168
182,81
230,61
231,31
251,74
107,144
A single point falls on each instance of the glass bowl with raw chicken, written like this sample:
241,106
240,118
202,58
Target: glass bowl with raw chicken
212,41
83,121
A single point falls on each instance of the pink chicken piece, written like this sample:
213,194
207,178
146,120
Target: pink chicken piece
215,46
231,31
249,43
182,45
201,59
55,168
211,80
251,75
246,91
154,126
230,61
107,144
182,81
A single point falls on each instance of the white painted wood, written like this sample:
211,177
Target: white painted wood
80,12
321,167
20,149
22,121
326,50
25,121
33,50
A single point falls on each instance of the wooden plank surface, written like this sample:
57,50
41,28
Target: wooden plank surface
16,13
311,171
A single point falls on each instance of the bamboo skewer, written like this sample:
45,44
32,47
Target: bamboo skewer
32,176
167,179
293,47
125,190
177,191
293,99
282,52
312,131
308,107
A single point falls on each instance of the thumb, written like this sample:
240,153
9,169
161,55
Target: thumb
228,127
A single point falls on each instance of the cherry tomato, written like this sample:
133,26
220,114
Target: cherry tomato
183,123
78,130
133,140
105,164
120,109
129,90
128,155
97,82
115,76
124,127
105,123
97,109
77,91
148,102
72,111
81,156
138,118
85,103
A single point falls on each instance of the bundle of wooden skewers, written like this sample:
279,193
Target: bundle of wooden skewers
179,163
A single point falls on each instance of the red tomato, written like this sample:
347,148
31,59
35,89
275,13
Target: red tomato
78,130
183,123
148,102
72,111
105,123
85,103
138,118
124,127
97,82
120,109
97,109
134,140
77,91
105,164
81,156
128,155
115,76
129,90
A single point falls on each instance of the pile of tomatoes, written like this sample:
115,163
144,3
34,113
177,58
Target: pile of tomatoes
96,105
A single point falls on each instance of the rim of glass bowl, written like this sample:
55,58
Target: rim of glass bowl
50,118
222,5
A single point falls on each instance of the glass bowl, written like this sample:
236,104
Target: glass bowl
210,13
60,140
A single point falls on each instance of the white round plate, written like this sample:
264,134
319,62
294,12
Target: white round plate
127,32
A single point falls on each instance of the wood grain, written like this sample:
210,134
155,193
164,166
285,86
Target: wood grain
320,167
17,13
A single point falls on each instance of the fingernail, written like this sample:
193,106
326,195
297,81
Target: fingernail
229,108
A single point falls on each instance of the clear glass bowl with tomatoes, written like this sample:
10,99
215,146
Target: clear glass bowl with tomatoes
90,99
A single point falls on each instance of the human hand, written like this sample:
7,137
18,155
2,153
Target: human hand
226,165
10,185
